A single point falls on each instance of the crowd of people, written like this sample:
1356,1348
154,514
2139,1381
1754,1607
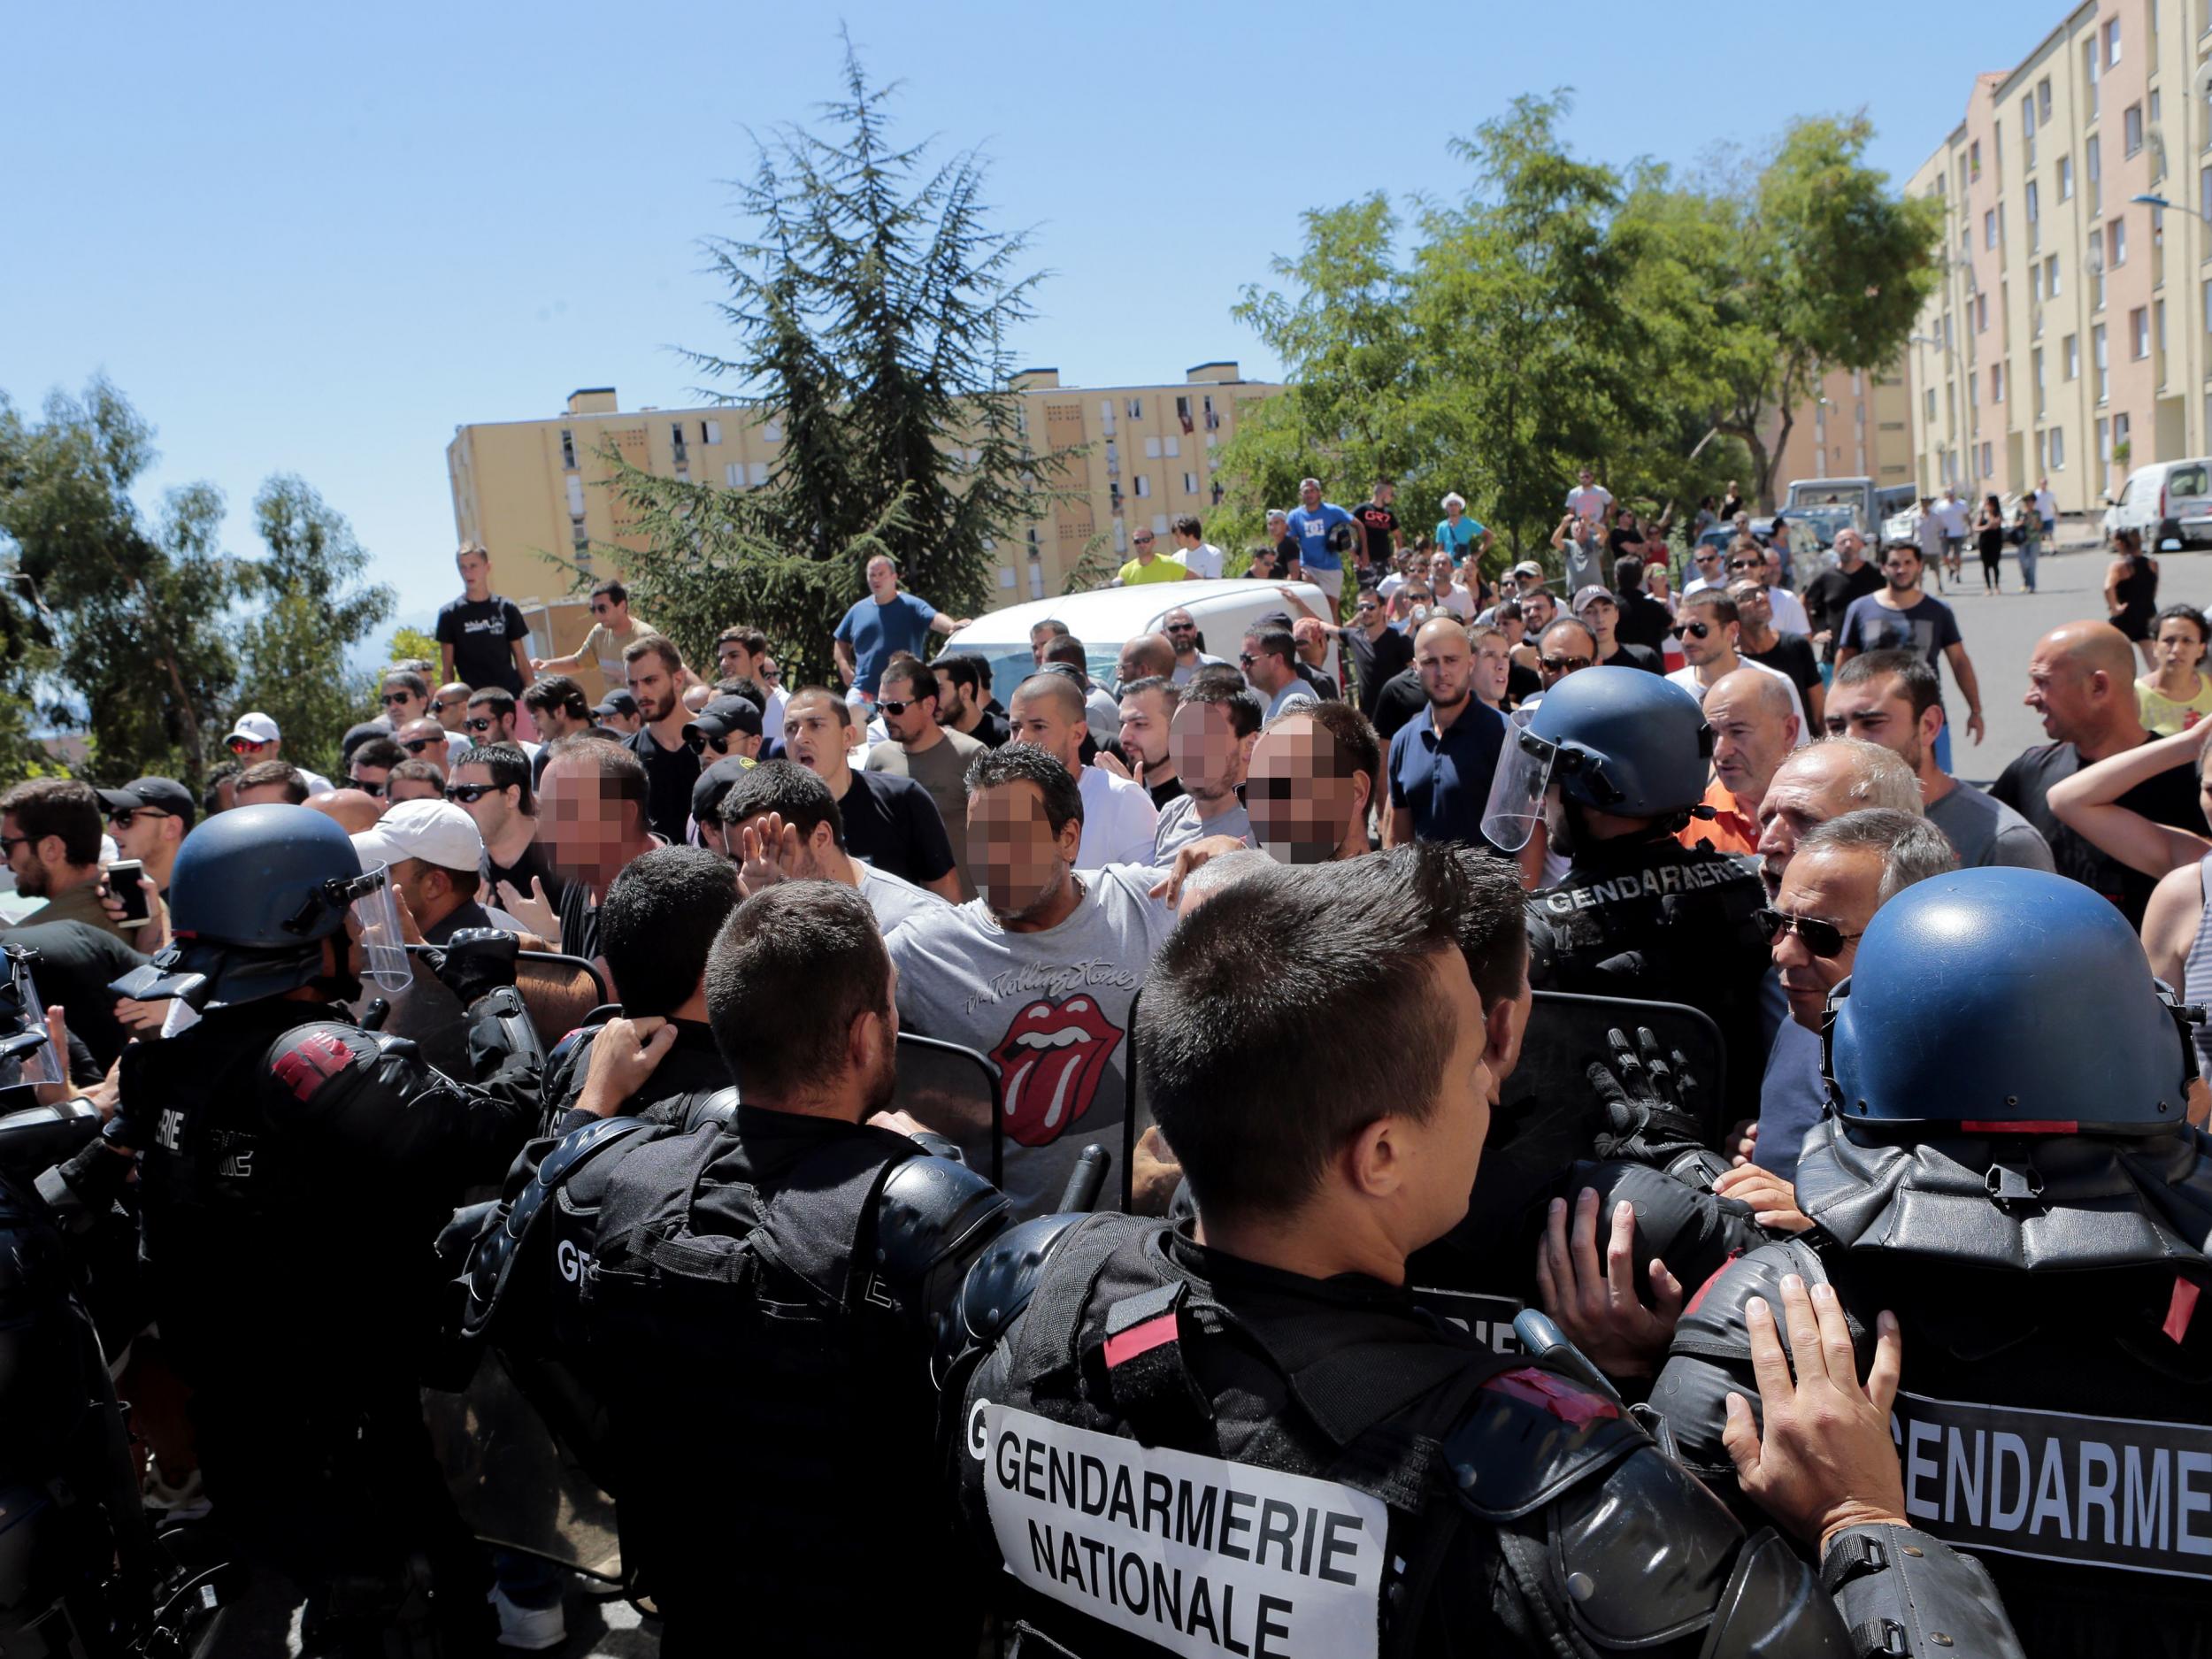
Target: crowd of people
1511,1027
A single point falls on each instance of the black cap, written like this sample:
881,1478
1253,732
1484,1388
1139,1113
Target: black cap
164,795
616,702
356,735
725,715
715,782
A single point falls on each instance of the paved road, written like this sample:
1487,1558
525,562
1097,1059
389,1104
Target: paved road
2001,629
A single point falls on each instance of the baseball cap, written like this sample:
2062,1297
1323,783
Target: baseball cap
164,795
620,702
1584,596
715,782
725,715
255,728
1529,567
436,832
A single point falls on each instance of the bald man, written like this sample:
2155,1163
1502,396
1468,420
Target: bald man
1144,657
1822,782
2081,679
355,811
1047,712
1755,727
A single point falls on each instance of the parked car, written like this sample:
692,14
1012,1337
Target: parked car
2168,501
1106,617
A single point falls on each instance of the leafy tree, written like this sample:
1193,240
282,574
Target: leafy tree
411,645
293,651
869,301
133,612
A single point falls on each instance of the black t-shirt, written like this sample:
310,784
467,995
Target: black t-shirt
1793,655
483,632
891,822
580,922
1829,595
669,775
1375,661
76,963
1644,621
991,730
1521,683
1164,793
1379,524
2169,798
1627,655
532,863
1400,699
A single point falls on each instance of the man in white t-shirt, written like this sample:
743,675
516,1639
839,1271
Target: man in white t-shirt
1047,712
2047,508
1193,551
1709,631
1590,499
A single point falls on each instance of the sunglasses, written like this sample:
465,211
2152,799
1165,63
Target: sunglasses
699,742
7,841
366,786
1823,939
1695,630
770,675
390,697
1246,659
438,703
893,705
240,745
1182,627
1747,565
418,745
1564,664
468,791
1364,604
479,725
1141,541
122,816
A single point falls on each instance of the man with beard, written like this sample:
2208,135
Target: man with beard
591,823
1211,739
964,704
1899,617
1148,711
670,765
1039,971
784,1272
889,821
1442,761
1314,775
781,823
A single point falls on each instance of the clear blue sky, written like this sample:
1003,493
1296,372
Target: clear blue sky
316,238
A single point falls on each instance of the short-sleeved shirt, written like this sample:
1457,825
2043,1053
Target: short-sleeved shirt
1310,531
1376,661
892,822
895,900
2163,715
483,632
2168,797
1204,560
1790,654
941,769
1379,524
1179,826
1183,673
1137,573
1927,628
1459,539
603,646
1443,779
669,775
877,632
1118,819
1829,596
1983,830
1592,500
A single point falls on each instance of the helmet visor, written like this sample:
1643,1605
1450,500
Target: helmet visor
1516,806
375,913
23,1016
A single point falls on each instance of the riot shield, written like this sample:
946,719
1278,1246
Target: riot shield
558,991
953,1092
1144,1190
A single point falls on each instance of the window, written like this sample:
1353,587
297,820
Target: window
2058,449
733,474
2139,332
2073,356
1996,382
2208,308
772,431
2119,434
1974,159
2153,107
2131,128
2035,283
1151,449
2111,42
759,471
1174,444
2035,368
2115,243
1144,484
1989,459
1928,397
575,496
2050,276
1213,421
2158,324
2089,72
1136,408
2027,129
2042,452
568,438
1106,415
2092,167
2104,367
2065,178
2204,197
1989,228
675,435
1981,313
709,432
2035,224
2043,100
1190,483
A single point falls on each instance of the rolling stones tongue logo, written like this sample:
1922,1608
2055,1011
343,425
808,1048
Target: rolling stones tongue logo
1049,1062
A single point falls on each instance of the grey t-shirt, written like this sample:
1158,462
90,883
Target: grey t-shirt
1179,826
1050,1010
1985,831
894,898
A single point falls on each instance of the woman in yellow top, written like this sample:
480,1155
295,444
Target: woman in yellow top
2175,694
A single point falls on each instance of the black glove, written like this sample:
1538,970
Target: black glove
1649,1099
474,960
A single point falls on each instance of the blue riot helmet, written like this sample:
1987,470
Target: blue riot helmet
2005,1000
1617,739
252,896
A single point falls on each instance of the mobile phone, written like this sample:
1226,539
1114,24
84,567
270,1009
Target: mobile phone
123,878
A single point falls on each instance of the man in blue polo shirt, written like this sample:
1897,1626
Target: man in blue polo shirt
1440,761
877,628
1320,549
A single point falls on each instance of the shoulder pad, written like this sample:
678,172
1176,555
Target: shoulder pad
1711,1355
1647,1554
303,1061
1688,1227
719,1107
492,1257
998,1285
1529,1434
569,1044
929,1208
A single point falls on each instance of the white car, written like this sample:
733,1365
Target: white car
1105,618
2166,500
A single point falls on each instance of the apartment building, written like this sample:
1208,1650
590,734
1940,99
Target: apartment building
1856,425
530,487
2071,336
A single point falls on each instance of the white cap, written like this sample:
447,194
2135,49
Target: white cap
255,728
436,832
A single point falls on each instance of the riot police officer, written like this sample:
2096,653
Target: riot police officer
1242,1436
1612,762
775,1276
293,1172
2005,1164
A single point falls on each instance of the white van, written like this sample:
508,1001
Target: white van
2167,501
1107,618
